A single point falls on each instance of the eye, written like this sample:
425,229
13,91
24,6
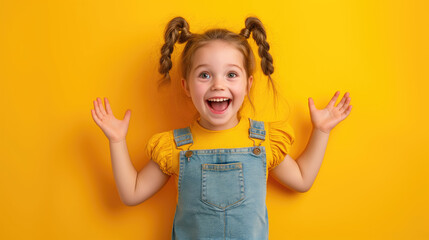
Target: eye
232,74
204,75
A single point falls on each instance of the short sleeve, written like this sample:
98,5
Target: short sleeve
282,137
159,149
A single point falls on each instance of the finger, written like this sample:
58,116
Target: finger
108,109
311,105
97,110
127,116
100,104
347,112
333,99
94,116
345,105
341,103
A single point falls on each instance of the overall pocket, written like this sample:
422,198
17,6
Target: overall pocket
222,184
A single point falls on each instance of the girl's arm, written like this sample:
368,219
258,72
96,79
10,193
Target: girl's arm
148,182
133,187
300,174
123,171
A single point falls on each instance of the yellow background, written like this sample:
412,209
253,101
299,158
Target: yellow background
56,57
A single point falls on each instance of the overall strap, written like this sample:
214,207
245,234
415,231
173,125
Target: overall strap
256,129
182,136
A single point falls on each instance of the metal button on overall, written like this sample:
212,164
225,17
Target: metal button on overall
257,151
188,154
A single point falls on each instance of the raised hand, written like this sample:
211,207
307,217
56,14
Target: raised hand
114,129
326,119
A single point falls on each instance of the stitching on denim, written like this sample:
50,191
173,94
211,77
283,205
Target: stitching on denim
224,225
217,167
183,134
223,208
254,155
254,133
218,170
242,191
187,139
181,162
224,150
257,129
231,153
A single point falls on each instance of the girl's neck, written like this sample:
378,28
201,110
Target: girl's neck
208,126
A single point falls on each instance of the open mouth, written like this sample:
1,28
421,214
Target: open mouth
218,105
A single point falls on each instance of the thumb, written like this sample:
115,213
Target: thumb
311,105
127,116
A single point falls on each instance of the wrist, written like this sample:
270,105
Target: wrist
321,131
117,141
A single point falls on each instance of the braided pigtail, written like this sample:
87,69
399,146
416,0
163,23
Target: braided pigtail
255,26
176,30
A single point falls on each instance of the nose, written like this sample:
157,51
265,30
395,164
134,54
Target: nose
218,84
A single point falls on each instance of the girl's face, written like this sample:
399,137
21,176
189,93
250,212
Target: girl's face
217,84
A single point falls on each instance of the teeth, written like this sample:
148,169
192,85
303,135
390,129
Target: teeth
217,99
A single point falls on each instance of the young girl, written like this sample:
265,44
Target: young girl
221,161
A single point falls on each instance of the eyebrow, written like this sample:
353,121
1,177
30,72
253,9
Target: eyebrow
203,65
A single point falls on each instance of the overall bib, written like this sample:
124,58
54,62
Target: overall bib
222,191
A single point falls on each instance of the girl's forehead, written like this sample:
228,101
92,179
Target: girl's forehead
217,53
218,46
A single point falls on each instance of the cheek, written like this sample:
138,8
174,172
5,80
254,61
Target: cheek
242,89
197,93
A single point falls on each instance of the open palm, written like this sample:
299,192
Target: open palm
326,119
114,129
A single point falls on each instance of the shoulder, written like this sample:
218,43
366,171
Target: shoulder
159,148
280,136
161,138
280,129
274,129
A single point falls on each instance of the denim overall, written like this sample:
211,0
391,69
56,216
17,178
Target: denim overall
222,191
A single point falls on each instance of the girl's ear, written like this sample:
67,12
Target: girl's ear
185,87
249,83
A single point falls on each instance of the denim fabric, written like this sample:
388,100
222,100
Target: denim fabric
256,129
222,193
182,136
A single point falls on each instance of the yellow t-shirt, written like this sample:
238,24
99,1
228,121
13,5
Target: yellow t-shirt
278,140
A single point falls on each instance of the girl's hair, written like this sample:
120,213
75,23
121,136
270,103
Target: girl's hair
178,30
